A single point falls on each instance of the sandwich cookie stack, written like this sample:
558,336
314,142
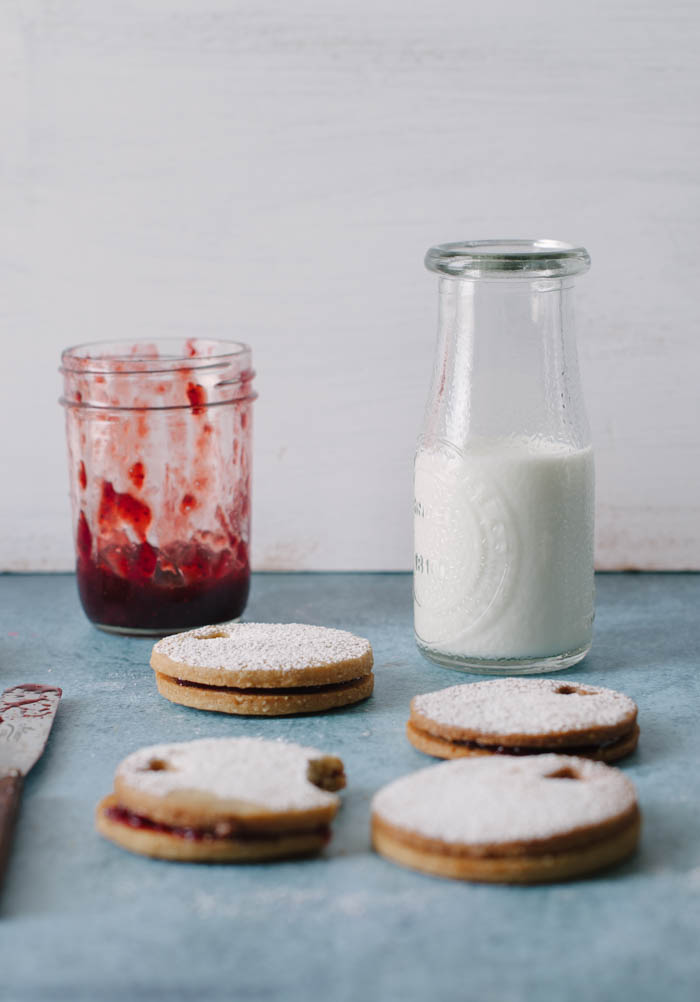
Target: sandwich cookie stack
519,716
508,820
264,669
223,800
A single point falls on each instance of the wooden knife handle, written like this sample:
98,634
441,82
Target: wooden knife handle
10,792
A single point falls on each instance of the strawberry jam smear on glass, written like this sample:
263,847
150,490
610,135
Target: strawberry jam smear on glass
159,458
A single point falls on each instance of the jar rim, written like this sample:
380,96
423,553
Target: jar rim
150,356
507,259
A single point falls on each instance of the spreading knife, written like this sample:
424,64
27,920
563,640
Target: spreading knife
26,715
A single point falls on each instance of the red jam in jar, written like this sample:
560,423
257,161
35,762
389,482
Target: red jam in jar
159,443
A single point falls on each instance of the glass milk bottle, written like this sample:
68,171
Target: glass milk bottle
503,566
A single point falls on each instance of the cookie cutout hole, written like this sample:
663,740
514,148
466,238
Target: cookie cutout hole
564,773
570,690
157,765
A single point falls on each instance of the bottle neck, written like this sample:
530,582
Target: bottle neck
506,363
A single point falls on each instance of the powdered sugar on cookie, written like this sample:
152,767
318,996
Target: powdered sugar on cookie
270,775
500,800
263,646
525,706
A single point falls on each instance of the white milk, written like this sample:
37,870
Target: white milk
504,549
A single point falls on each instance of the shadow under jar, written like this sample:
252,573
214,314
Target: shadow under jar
159,456
504,477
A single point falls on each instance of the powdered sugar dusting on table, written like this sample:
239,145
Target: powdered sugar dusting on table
267,646
525,706
268,774
495,800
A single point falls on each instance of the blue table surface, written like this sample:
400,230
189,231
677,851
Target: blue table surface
81,919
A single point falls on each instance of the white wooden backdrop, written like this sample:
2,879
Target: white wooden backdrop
274,171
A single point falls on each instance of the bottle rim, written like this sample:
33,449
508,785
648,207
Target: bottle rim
507,259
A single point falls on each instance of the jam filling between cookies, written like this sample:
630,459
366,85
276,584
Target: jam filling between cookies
536,750
288,691
223,830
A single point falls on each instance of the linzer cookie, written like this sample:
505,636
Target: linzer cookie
508,820
264,669
223,800
519,716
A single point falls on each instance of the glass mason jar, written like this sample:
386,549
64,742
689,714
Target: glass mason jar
504,479
159,443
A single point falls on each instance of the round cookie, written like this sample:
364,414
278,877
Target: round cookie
264,669
521,716
223,799
508,820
